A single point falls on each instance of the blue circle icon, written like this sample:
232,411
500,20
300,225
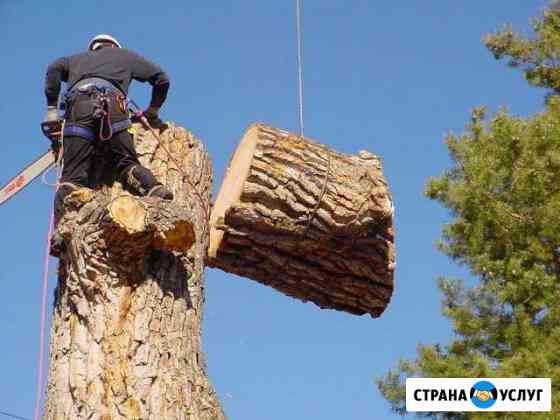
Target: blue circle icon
484,394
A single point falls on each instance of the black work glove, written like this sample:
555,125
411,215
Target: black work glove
52,126
153,118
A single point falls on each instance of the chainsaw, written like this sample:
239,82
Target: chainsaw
52,130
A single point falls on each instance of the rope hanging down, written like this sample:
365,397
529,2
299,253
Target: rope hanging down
12,416
299,65
44,298
139,113
41,356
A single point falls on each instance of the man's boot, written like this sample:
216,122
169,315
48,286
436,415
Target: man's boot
144,182
57,241
160,191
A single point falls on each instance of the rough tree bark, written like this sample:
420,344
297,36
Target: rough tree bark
313,223
126,329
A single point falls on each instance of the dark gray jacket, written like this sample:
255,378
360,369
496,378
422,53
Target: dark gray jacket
117,65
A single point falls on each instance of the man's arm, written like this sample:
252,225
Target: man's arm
57,72
146,71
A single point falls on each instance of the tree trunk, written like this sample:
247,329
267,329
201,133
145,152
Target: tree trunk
312,223
126,330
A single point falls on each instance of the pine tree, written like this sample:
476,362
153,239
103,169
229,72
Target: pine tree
503,192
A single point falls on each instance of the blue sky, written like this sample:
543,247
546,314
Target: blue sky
391,77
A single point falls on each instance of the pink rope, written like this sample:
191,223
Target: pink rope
40,379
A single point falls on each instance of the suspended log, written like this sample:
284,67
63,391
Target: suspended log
126,328
306,220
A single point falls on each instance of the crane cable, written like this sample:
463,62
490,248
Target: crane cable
299,42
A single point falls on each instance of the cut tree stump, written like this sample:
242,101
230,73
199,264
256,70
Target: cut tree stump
126,329
306,220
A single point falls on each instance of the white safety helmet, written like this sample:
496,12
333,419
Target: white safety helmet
98,40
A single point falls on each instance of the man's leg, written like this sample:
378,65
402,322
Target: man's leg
131,171
76,159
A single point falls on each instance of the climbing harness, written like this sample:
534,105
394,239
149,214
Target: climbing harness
88,134
101,93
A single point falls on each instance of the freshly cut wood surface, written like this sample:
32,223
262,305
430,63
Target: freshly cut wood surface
129,218
312,223
128,213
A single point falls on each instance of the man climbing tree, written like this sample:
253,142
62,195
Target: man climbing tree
504,194
97,109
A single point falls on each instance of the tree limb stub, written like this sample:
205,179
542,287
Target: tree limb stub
169,225
311,222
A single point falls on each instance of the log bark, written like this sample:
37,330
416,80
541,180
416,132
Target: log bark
312,223
126,329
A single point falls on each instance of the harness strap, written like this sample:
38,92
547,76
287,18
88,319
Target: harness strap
77,131
102,88
88,134
121,125
93,82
